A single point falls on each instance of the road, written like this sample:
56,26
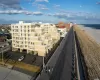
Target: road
62,60
8,74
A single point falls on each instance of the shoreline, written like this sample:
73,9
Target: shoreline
93,33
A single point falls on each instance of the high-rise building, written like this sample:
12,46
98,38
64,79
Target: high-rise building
34,37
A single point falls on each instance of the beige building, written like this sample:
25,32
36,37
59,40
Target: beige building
34,37
62,31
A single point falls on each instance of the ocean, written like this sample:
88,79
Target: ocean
92,30
95,26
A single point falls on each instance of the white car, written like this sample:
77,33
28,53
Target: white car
21,58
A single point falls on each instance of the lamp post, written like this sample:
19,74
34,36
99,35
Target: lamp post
43,62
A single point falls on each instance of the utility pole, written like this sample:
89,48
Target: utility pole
43,62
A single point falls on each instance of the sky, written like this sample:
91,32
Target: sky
52,11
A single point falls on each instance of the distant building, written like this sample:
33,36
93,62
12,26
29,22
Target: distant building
62,32
61,25
68,26
3,37
34,37
62,29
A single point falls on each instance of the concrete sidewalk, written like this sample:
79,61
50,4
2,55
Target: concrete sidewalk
8,74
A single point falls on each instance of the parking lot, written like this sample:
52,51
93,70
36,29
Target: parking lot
29,65
28,58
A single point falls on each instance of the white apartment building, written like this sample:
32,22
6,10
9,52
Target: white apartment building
62,31
34,37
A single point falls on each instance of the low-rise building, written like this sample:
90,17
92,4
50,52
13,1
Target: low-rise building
34,37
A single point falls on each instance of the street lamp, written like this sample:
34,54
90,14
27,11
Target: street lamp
44,65
43,62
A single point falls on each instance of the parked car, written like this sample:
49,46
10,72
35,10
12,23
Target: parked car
2,46
21,58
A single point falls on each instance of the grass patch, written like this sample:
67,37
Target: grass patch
22,65
27,67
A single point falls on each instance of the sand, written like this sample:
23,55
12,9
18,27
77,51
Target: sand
90,50
94,33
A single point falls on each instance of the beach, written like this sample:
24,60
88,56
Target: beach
92,32
88,38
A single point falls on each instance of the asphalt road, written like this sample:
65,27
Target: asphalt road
63,68
8,74
61,61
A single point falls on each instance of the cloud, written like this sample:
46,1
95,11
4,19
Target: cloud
11,12
56,6
75,16
40,6
14,4
98,3
44,8
41,1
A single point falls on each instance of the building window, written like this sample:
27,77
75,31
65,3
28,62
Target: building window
36,34
32,30
25,45
25,42
16,26
12,26
31,42
21,46
32,26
